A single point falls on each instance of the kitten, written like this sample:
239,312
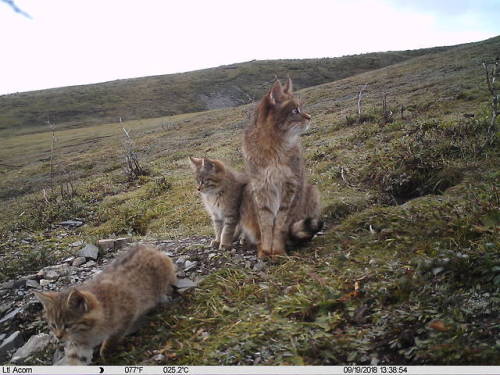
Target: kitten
105,308
286,206
221,191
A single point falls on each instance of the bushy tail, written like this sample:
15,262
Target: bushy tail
304,230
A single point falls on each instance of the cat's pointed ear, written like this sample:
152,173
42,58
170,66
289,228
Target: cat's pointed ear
46,298
195,162
77,301
275,94
288,86
207,164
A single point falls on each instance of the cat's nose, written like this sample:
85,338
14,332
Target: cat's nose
59,334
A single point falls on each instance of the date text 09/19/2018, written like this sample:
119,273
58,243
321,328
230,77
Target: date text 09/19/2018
375,370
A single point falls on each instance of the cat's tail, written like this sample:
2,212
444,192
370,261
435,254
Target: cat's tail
304,230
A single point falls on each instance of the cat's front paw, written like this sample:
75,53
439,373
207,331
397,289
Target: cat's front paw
225,246
263,253
215,244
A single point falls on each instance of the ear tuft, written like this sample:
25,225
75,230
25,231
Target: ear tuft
195,162
288,86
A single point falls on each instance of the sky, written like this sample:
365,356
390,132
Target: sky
57,43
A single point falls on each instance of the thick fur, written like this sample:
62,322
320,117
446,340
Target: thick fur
275,165
105,308
221,190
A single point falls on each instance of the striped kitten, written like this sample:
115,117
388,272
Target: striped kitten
221,191
105,308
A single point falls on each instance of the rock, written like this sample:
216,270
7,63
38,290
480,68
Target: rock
89,251
180,261
190,265
33,284
259,266
89,264
35,344
4,307
19,283
44,282
77,243
51,275
12,342
122,241
106,244
10,316
71,223
7,285
54,272
78,261
437,270
185,283
69,260
158,358
2,336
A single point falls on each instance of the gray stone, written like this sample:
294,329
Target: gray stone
259,266
2,336
180,261
106,244
33,284
4,307
437,270
69,260
159,358
89,264
44,282
77,243
7,285
185,283
78,261
190,265
51,275
35,344
89,251
122,241
10,316
19,283
12,342
71,223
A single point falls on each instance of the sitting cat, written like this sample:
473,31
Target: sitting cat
105,308
228,198
221,190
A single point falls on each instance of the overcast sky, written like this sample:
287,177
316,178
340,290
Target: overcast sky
70,42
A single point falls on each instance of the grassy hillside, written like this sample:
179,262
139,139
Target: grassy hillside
225,86
407,272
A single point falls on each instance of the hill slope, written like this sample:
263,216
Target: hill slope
225,86
407,271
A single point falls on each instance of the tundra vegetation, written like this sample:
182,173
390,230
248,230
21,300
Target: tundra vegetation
407,271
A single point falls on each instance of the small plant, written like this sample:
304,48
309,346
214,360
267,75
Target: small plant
491,71
132,167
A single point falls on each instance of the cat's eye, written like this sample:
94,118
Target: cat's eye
295,111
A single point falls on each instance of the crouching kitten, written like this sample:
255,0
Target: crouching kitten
104,309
